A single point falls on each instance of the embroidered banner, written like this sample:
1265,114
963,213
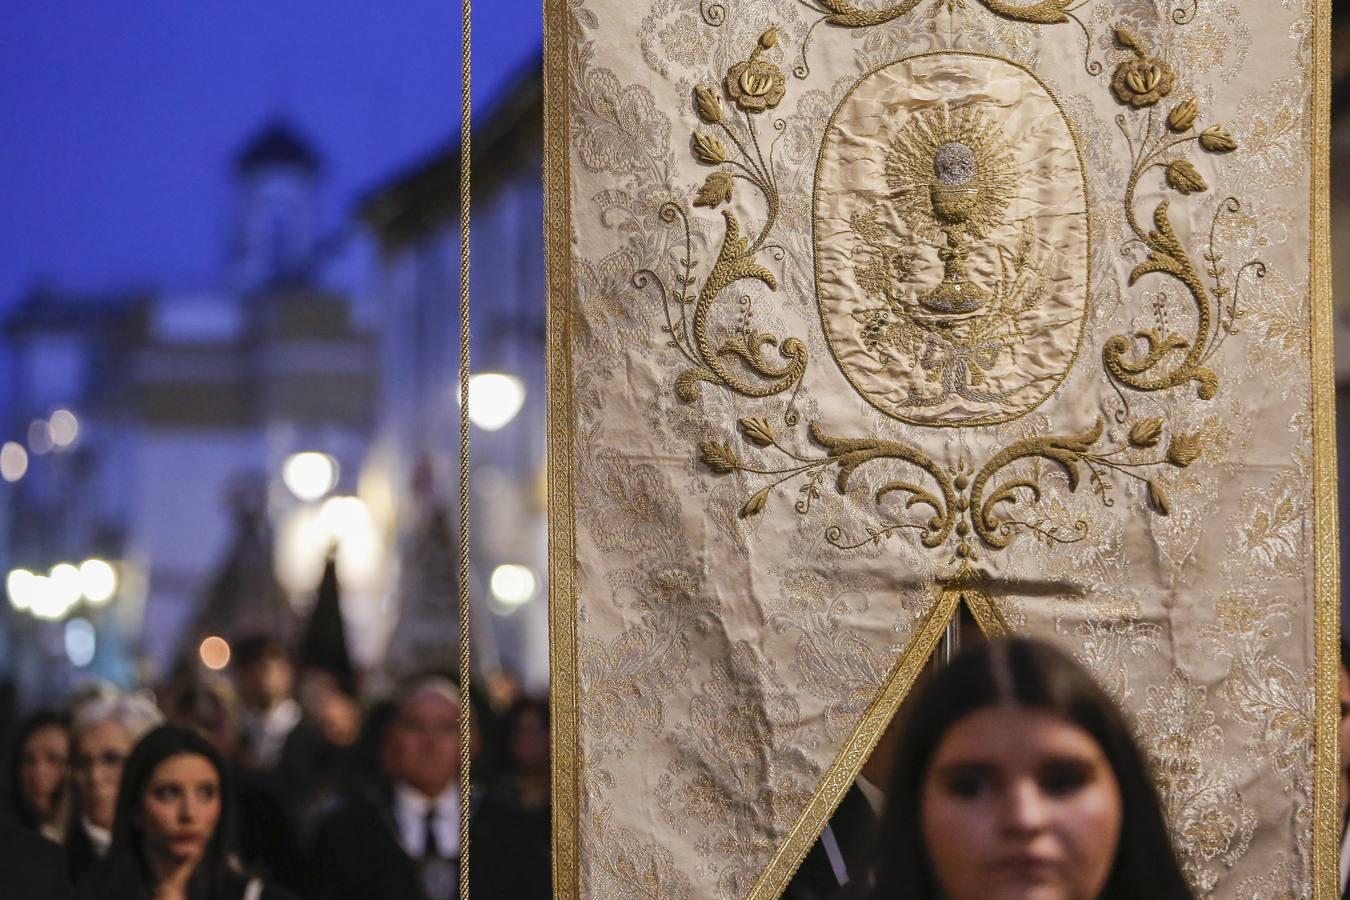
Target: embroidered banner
860,312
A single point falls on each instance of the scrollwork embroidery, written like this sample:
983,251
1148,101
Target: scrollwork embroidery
961,505
752,87
1141,83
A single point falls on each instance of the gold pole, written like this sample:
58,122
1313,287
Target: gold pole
465,732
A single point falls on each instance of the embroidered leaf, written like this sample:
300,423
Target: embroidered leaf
850,16
1126,39
1047,12
1184,177
1146,433
716,190
1182,116
759,431
1216,140
718,457
709,150
1207,383
1158,498
708,104
1183,450
755,505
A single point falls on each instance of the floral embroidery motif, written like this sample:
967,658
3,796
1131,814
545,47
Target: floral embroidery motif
1141,82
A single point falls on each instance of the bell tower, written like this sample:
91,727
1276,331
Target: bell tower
277,172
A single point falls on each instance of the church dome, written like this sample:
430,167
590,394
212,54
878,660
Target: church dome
276,144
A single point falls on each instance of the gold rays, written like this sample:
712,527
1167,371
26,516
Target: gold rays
951,162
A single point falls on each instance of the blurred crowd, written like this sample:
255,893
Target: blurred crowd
302,787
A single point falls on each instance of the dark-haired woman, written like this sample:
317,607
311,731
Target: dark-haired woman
39,775
1017,778
170,834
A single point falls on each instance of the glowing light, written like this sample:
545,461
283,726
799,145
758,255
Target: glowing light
63,428
494,399
512,587
306,534
48,601
81,642
309,475
22,589
65,580
13,461
215,653
98,581
39,437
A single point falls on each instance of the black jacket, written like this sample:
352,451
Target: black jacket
31,867
853,824
356,854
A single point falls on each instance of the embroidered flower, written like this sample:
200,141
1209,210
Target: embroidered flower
1142,81
757,84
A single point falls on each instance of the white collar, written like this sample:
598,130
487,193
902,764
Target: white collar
874,796
101,838
410,812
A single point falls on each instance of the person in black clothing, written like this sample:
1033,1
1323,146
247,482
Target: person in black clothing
265,835
175,810
398,839
39,774
31,867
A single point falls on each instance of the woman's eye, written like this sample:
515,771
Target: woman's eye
1061,780
206,793
967,784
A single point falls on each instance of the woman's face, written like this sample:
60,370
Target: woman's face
1020,804
529,742
43,766
180,808
99,755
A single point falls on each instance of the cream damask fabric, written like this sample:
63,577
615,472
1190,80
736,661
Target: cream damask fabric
871,309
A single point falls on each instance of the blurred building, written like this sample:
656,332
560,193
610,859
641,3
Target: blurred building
415,217
145,426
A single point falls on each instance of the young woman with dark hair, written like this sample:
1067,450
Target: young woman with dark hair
175,809
1017,778
38,781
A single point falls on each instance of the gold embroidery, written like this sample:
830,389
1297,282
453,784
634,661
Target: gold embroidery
1140,82
627,327
754,86
951,261
846,14
1211,824
959,504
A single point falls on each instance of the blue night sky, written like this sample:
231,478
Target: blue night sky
119,119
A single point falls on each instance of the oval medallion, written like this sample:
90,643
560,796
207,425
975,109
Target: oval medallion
951,239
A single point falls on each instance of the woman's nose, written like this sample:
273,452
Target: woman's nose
1024,807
